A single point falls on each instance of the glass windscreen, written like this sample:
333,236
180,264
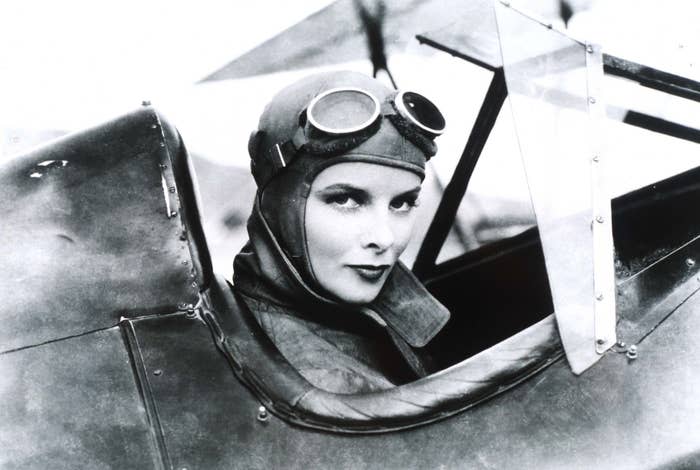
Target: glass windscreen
556,109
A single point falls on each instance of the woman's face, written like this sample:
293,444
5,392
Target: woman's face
359,219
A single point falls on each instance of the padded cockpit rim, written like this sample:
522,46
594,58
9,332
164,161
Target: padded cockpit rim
260,366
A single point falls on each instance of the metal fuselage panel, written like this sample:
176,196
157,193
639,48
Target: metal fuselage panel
87,238
73,404
622,413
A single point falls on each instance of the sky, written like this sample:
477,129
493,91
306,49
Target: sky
70,64
65,64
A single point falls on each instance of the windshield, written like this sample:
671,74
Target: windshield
554,87
586,139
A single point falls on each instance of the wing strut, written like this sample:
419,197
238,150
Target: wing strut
455,189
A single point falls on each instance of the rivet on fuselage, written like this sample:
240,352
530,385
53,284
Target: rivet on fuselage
690,262
632,352
263,415
157,372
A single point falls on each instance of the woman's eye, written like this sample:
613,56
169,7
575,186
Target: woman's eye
404,205
344,201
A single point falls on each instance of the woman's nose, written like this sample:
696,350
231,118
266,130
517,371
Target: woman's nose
378,233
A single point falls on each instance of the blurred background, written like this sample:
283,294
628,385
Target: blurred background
211,66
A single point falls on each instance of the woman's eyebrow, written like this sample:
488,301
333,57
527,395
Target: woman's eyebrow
411,192
341,187
351,188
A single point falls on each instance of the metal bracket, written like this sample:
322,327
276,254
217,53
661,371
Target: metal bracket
603,247
167,176
185,307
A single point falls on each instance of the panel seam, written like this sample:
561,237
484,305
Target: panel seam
145,393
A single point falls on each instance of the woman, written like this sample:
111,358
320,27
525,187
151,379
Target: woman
338,159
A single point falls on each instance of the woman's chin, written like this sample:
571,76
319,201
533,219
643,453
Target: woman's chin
353,286
361,295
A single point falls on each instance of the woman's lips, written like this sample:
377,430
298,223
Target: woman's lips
370,272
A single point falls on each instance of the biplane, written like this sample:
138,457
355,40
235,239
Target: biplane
572,344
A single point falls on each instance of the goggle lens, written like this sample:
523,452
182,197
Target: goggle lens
343,111
422,112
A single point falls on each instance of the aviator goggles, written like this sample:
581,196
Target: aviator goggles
340,119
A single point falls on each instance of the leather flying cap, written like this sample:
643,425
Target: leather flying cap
285,114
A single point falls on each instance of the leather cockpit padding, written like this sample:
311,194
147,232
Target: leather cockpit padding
259,365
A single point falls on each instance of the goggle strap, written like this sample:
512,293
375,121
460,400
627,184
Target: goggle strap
388,108
299,139
280,155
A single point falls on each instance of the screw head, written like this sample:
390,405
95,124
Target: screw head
599,297
600,341
263,415
145,103
173,213
596,158
599,219
589,49
591,100
690,262
157,372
